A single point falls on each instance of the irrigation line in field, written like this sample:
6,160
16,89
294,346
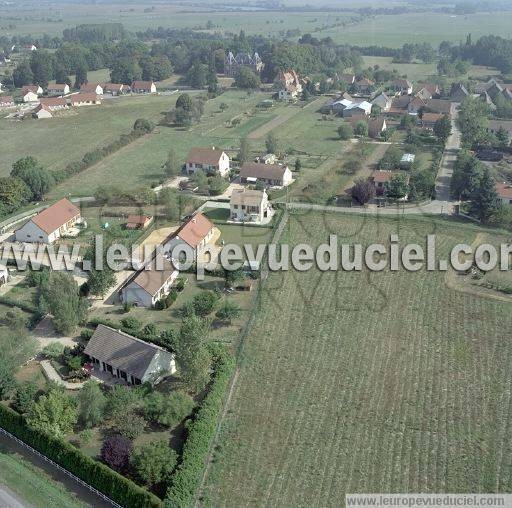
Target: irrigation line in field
60,468
263,277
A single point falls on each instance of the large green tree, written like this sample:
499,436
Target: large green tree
154,462
92,403
473,121
37,178
485,201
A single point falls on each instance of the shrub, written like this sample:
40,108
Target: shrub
116,451
131,323
204,303
154,462
168,410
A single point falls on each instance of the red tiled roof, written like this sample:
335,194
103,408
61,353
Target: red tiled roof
52,102
142,85
138,219
431,117
83,97
58,86
55,216
89,87
382,176
194,230
6,99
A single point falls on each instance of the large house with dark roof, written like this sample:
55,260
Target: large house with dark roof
128,358
191,236
209,160
271,175
50,224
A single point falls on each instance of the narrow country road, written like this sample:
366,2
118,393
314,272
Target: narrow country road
9,500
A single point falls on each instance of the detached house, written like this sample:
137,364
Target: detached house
402,86
149,285
383,101
376,126
58,89
143,87
50,224
209,160
54,103
458,92
41,111
138,221
192,235
271,175
248,205
290,85
364,86
95,88
428,120
128,358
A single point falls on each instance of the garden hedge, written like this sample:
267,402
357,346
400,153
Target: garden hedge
201,430
118,488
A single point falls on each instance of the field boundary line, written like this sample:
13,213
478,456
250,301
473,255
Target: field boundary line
264,274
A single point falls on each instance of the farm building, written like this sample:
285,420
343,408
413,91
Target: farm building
401,86
383,101
138,221
84,99
143,87
248,205
364,86
116,88
41,111
92,88
149,285
54,103
58,89
271,175
50,224
428,120
209,160
192,236
128,358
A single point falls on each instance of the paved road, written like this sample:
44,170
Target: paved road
9,500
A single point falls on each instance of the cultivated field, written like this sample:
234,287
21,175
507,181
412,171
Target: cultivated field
358,382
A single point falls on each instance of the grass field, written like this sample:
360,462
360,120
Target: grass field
359,382
421,71
61,140
32,484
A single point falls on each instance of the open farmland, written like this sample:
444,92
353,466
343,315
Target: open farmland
359,382
395,30
67,138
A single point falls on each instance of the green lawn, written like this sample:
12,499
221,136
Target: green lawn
61,140
32,484
367,382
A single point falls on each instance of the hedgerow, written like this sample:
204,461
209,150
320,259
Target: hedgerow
118,488
201,430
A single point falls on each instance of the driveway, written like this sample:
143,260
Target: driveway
45,334
450,154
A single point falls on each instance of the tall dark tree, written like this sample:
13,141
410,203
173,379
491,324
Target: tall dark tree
37,178
41,63
80,75
485,201
23,75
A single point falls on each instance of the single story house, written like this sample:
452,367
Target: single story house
402,86
195,233
428,120
41,111
50,224
116,88
92,88
127,357
358,108
149,285
380,179
138,221
504,191
382,101
58,89
208,160
29,96
364,86
30,93
7,102
271,175
143,87
4,275
84,99
433,89
349,79
423,94
248,205
54,103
